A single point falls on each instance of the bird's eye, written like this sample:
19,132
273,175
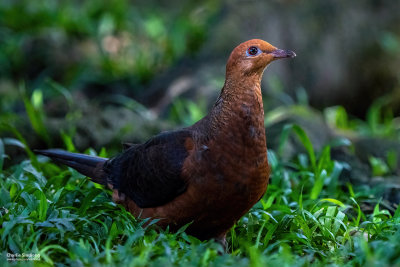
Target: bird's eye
252,51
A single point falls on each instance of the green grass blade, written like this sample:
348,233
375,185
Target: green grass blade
301,134
318,185
35,114
334,201
2,154
87,202
17,134
43,206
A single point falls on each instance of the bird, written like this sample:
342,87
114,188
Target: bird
207,175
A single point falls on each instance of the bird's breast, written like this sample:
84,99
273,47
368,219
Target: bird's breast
234,161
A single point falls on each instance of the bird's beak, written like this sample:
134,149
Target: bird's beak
279,53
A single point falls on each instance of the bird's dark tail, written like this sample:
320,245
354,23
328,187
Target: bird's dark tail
90,166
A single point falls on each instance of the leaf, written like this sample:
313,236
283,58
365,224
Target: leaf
330,213
318,185
334,201
69,144
397,212
62,90
2,154
88,200
272,159
283,138
325,159
301,198
17,134
113,230
351,191
304,226
339,142
359,212
269,234
14,142
43,206
13,190
379,167
36,116
64,223
338,222
57,195
5,198
267,204
38,175
306,143
336,117
8,225
30,200
392,159
301,134
57,248
44,224
259,234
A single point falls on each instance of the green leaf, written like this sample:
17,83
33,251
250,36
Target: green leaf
32,156
5,197
37,99
14,142
87,202
301,134
304,226
325,159
392,159
330,213
259,234
340,216
69,144
43,206
336,117
271,231
35,115
359,212
318,185
2,154
334,201
62,90
379,167
351,191
113,230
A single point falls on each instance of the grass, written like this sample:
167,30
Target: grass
307,217
380,120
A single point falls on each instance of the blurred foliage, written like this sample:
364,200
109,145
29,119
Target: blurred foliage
51,51
380,120
186,112
97,41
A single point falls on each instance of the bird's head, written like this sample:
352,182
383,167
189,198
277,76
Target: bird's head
253,56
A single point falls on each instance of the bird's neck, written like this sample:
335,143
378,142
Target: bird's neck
239,109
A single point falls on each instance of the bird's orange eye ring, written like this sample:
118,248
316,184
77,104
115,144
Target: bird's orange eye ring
252,51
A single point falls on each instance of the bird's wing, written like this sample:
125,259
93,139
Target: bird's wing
151,173
126,146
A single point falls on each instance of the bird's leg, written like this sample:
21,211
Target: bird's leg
117,196
222,240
